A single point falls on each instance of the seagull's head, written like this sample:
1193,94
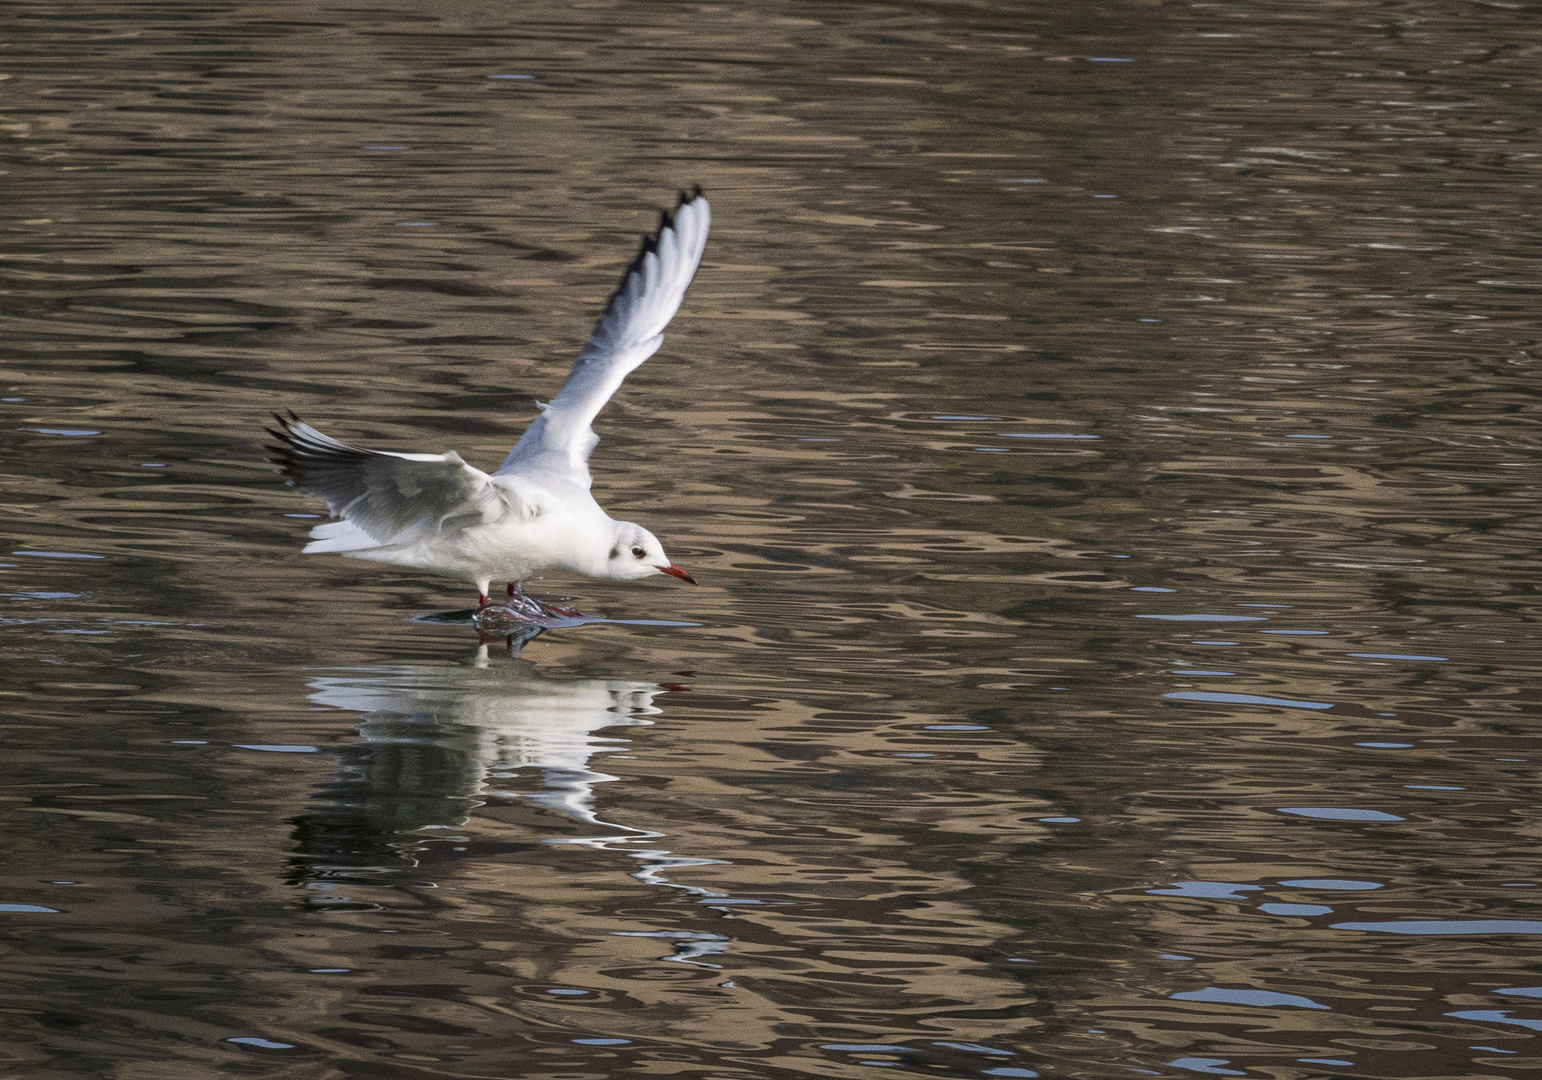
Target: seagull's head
636,553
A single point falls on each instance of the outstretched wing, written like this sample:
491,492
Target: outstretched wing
385,494
630,330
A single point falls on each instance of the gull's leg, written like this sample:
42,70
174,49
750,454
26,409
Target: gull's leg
517,598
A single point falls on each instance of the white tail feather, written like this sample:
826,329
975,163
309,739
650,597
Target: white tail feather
337,536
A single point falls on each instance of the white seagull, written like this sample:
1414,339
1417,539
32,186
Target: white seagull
434,512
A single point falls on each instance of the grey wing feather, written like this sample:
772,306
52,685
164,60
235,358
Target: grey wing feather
384,494
630,330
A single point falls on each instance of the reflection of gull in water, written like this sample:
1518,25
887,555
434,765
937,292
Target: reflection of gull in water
437,742
497,724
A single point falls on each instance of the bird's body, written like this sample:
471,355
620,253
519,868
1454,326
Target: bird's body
434,512
520,530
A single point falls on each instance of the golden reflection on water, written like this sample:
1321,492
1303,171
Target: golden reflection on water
1098,431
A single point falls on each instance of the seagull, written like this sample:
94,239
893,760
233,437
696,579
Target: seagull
435,512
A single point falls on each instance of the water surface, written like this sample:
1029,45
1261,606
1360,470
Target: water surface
1106,436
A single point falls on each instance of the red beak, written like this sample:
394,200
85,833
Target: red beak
674,571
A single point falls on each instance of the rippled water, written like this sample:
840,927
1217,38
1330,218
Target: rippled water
1106,435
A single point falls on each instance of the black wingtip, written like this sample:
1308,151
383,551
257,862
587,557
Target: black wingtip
291,451
649,245
285,432
282,456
